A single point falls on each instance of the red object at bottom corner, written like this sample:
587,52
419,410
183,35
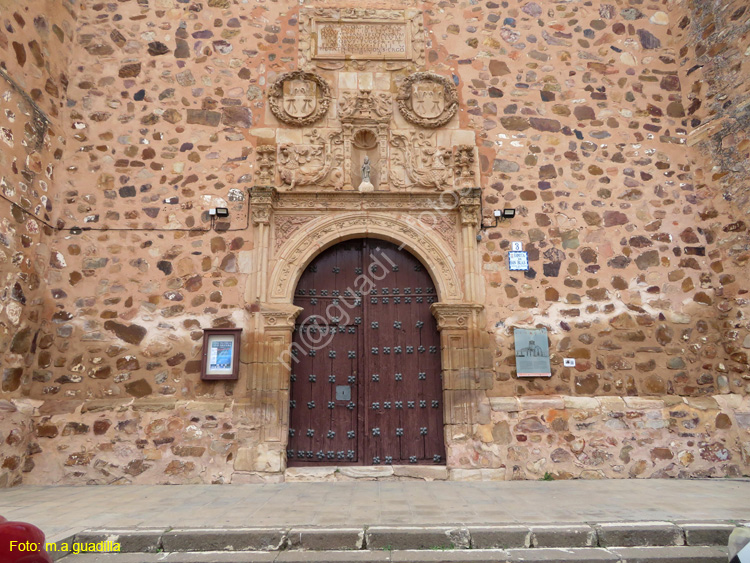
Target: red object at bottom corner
21,542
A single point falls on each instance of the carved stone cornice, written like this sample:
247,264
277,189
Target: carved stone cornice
455,316
309,200
281,317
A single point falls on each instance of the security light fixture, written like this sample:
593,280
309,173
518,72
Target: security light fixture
218,212
76,231
501,215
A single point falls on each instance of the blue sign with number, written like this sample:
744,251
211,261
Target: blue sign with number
518,260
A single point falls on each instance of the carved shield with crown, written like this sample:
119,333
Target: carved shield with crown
299,98
427,99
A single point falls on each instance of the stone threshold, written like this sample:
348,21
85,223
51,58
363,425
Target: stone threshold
606,538
367,473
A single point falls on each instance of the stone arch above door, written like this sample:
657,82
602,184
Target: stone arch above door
299,250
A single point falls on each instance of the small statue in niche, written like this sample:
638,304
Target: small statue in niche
366,170
366,185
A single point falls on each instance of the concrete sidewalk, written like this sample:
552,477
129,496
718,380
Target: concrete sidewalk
63,511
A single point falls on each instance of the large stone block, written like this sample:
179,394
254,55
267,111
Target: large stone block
226,539
671,554
414,537
563,535
499,537
707,533
572,555
263,458
326,538
131,541
637,534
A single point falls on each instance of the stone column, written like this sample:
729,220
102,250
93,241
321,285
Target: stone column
467,368
262,199
274,370
469,204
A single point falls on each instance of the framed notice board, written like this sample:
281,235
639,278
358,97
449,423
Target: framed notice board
532,352
221,353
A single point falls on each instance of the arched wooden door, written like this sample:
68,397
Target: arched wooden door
366,379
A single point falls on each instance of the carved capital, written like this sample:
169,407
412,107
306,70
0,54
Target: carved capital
262,199
455,316
280,318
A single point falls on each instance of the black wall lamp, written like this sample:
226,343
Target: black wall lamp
502,215
219,212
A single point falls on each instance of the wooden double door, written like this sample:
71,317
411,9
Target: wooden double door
366,380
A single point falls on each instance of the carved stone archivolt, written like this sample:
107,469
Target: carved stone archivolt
427,99
299,98
300,248
286,225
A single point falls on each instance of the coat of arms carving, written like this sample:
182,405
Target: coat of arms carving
299,98
427,99
317,162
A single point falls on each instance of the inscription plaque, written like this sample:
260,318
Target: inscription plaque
362,40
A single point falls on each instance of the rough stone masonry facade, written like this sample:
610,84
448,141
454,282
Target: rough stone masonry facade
618,130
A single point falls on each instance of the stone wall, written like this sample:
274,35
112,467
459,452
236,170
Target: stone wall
17,440
587,122
34,41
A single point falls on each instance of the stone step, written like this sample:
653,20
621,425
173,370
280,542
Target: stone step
517,536
672,554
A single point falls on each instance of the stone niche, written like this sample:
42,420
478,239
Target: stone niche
362,92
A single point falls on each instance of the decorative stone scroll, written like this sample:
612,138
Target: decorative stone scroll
299,98
427,99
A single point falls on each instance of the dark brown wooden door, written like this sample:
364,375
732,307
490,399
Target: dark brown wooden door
366,384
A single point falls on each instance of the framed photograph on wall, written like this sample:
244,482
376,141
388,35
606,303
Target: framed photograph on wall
221,353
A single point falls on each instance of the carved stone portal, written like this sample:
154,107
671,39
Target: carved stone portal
299,98
427,99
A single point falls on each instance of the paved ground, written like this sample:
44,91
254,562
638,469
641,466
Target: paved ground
63,511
